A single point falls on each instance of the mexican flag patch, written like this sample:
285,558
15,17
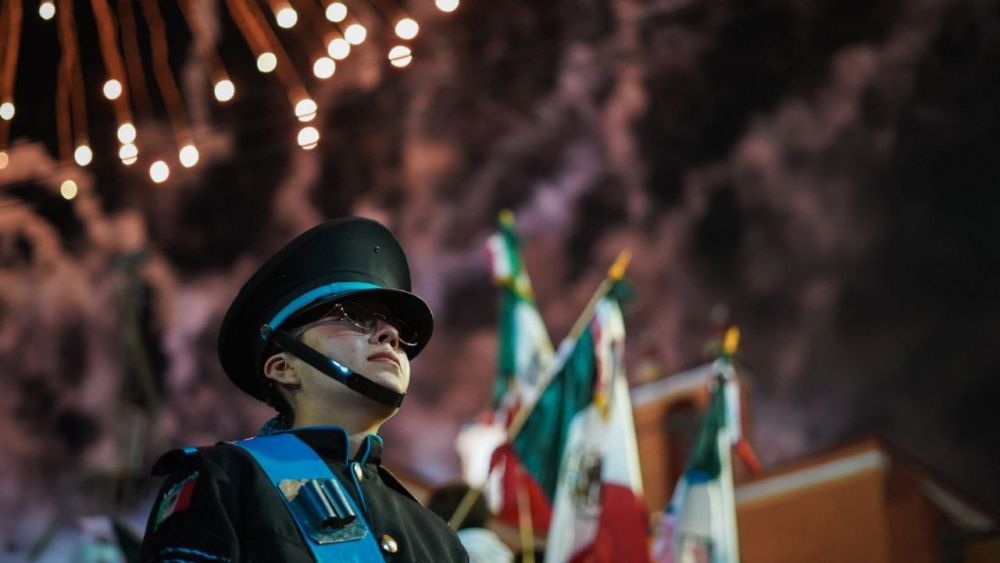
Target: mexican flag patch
177,499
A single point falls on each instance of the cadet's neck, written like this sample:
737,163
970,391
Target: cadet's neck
358,423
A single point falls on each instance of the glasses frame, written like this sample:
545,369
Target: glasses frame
338,314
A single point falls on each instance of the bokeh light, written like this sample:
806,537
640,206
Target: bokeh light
189,155
338,48
225,90
7,111
308,138
287,17
446,5
68,189
324,67
355,34
47,10
336,12
407,28
83,155
159,171
112,89
4,160
128,153
126,132
267,62
305,110
400,56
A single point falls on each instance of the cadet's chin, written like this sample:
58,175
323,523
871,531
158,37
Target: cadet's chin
388,376
395,386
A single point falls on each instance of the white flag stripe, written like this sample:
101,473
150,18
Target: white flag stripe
734,424
576,508
727,512
475,444
500,258
532,351
621,458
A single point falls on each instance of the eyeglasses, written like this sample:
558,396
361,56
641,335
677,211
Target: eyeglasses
365,319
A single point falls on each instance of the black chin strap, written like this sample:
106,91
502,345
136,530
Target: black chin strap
334,369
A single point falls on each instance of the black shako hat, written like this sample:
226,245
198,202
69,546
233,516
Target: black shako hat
349,257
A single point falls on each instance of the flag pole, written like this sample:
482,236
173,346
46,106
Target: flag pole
525,525
464,506
615,274
730,344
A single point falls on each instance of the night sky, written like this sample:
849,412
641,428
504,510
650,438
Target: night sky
823,174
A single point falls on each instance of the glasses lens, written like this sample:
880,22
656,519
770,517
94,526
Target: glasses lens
407,336
357,315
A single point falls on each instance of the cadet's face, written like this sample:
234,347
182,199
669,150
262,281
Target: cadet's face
377,355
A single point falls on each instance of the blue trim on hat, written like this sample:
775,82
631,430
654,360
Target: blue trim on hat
310,296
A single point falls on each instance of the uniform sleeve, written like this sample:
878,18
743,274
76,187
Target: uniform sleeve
195,514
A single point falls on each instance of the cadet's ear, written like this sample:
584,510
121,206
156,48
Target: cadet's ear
278,368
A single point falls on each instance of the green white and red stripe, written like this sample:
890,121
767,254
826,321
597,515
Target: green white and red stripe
699,525
524,349
579,445
177,499
524,353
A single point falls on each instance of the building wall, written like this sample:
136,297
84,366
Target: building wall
837,521
914,521
986,551
859,504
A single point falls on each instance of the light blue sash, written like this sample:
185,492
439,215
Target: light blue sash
296,470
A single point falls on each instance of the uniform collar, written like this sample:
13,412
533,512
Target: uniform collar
331,442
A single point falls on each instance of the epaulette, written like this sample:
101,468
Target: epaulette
171,460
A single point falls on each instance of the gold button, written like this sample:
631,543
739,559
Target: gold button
357,471
389,544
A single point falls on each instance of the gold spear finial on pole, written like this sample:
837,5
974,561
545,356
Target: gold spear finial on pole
617,270
731,341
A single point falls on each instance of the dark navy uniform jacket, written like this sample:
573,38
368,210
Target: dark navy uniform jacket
218,506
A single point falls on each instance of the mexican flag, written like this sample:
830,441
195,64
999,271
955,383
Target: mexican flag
524,354
699,525
524,349
579,445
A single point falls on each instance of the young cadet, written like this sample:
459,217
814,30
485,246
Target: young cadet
324,331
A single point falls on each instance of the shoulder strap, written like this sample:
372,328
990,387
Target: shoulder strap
291,464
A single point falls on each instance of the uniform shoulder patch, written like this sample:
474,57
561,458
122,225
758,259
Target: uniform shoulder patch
177,499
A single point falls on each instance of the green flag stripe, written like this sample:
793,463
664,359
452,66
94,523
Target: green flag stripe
513,247
704,462
506,355
542,439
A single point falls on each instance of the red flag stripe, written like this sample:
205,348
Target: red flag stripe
514,476
621,532
184,496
